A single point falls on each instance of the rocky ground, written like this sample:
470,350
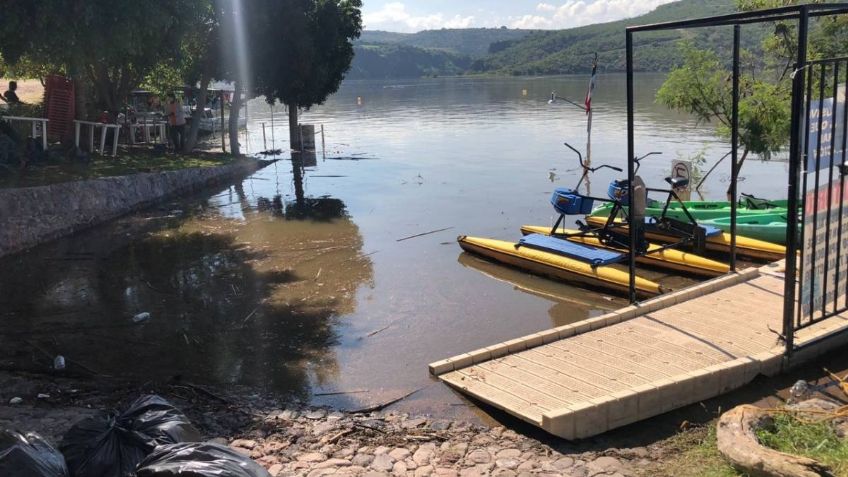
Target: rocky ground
316,442
303,441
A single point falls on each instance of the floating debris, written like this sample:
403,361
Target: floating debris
141,317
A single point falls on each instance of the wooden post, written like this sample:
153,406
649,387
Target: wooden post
223,136
273,137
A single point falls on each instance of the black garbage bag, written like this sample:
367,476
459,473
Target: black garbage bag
29,455
202,459
111,444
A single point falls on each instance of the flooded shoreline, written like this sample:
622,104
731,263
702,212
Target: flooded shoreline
294,280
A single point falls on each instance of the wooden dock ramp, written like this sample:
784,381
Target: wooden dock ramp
586,378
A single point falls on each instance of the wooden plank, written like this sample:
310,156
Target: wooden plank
584,375
512,386
619,380
631,339
548,383
575,386
515,405
630,360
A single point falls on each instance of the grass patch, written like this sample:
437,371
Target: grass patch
127,162
694,453
817,441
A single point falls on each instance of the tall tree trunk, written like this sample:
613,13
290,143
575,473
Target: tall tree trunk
294,130
235,111
197,114
738,170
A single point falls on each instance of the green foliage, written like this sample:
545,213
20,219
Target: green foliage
474,42
814,440
112,44
318,51
569,51
702,87
400,61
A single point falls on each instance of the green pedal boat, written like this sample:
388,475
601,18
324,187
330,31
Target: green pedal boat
706,210
766,227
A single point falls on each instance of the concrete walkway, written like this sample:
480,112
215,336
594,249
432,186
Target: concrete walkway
583,379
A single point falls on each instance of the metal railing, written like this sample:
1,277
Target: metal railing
818,289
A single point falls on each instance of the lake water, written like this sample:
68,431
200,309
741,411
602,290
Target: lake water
295,282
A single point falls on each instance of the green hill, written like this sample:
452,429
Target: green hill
461,41
400,61
569,51
381,54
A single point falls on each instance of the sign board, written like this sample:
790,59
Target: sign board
682,169
826,209
825,131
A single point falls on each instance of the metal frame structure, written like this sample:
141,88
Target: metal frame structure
797,144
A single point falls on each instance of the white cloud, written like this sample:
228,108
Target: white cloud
574,13
394,17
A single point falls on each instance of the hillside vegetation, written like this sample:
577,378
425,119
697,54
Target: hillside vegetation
401,61
472,42
381,54
569,51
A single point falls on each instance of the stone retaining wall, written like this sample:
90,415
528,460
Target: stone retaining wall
33,215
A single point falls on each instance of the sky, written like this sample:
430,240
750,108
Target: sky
410,16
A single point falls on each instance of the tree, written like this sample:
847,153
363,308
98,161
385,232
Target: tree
305,50
703,87
109,46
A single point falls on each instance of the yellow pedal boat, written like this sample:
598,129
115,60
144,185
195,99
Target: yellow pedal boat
669,259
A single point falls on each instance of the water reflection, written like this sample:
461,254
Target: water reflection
570,304
242,298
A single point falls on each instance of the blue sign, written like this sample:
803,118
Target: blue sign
820,134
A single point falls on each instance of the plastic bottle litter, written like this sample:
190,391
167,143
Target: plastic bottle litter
141,317
59,363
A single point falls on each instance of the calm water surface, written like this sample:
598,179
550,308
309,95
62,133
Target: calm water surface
294,281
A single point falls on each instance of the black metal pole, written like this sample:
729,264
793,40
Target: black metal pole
734,140
631,171
795,155
831,164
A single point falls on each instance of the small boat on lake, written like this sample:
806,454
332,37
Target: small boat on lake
557,259
716,240
766,227
705,210
655,256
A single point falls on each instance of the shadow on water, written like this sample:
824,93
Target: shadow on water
253,302
571,304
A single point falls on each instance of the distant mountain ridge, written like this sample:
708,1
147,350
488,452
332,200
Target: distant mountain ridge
504,51
472,42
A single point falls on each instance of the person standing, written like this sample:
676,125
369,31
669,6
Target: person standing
176,122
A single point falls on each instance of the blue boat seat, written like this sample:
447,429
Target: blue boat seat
592,255
570,202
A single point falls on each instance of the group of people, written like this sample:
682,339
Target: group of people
173,110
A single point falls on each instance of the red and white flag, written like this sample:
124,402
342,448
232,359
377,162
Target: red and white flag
588,101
